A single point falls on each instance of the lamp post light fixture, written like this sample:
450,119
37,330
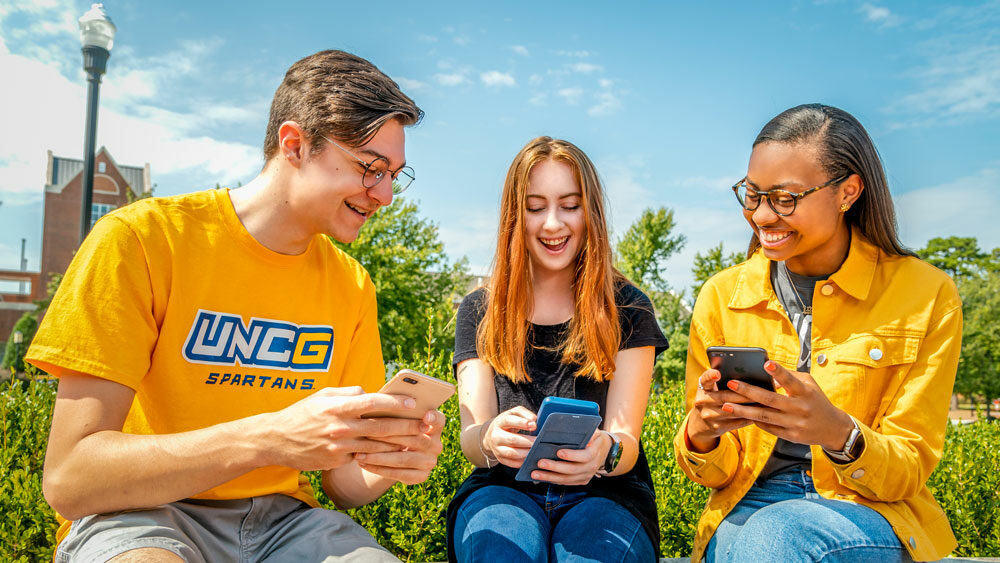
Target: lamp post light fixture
97,35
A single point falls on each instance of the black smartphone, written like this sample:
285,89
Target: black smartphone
744,364
560,431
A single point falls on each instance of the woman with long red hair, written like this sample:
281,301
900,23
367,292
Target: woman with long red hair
556,319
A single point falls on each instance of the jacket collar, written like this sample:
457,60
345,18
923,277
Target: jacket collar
855,275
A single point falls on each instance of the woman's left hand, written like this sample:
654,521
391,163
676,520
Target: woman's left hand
804,416
575,467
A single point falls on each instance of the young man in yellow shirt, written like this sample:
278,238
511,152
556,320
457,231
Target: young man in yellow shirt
212,346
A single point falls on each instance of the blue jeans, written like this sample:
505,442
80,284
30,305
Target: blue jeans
502,524
784,519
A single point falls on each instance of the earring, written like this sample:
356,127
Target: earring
845,207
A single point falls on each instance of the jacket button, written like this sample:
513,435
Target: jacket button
821,359
858,474
875,354
827,289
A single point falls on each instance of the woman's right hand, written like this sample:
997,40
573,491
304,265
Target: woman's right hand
707,420
501,439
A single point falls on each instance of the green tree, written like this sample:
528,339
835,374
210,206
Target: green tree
20,338
647,244
979,366
958,256
642,253
415,283
712,262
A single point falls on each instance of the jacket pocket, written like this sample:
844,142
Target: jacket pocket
867,372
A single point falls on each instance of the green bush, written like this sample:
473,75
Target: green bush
28,526
410,520
13,356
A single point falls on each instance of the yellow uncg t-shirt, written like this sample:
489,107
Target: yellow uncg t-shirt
175,299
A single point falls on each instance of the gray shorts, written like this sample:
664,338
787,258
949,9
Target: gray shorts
267,528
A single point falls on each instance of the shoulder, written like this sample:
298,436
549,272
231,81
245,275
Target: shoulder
626,294
345,265
920,280
727,280
474,304
156,217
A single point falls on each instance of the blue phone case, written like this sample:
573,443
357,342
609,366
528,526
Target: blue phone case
564,405
560,431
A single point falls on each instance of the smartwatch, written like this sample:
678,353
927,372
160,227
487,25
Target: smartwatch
614,454
853,447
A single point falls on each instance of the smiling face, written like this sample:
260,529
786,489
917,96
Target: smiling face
813,240
331,197
554,220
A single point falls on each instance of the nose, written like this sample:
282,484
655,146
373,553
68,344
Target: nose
381,192
764,215
552,220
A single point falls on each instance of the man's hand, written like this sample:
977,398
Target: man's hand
325,429
412,456
804,416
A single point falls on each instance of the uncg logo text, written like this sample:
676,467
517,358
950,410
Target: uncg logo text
223,339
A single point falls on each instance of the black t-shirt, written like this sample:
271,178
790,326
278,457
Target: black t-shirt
551,377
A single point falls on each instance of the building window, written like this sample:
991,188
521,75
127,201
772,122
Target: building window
102,167
98,210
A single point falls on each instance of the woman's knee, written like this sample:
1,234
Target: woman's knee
603,530
499,520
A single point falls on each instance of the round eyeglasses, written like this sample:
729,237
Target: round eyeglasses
782,202
377,169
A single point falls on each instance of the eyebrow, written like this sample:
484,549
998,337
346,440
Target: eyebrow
564,196
377,154
782,186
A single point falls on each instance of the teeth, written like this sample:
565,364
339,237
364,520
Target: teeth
554,241
768,236
365,213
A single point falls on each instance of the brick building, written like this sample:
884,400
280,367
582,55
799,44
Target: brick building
61,221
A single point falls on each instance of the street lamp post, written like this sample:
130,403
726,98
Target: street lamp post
97,35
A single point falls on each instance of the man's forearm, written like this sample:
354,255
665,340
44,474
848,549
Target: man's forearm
109,470
349,486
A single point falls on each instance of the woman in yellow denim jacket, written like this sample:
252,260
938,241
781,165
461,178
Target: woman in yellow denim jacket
863,393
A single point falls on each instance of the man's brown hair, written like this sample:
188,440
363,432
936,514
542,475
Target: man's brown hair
340,95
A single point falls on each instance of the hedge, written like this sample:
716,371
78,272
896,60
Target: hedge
410,520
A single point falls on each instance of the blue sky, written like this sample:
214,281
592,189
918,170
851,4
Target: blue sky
665,98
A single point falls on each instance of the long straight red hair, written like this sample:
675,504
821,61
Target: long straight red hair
594,333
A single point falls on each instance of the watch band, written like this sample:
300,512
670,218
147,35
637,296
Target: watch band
850,451
614,454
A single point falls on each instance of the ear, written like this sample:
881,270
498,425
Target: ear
292,143
850,189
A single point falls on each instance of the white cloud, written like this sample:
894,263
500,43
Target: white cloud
535,79
520,50
571,95
538,99
496,78
449,79
879,14
575,54
410,83
607,104
132,122
585,68
964,207
605,83
426,38
956,85
461,40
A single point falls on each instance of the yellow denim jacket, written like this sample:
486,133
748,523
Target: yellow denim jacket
886,337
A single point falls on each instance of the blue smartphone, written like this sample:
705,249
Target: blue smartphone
560,431
561,404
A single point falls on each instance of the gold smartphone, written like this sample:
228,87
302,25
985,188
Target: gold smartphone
429,393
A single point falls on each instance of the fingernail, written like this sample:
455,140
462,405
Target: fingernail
733,385
728,408
770,366
425,428
410,403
